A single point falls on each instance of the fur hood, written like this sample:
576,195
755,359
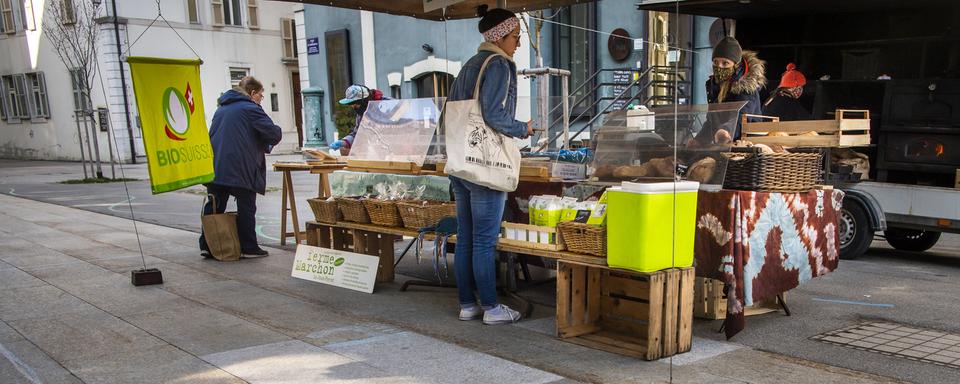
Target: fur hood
754,79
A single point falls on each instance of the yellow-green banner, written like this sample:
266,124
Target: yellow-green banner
175,134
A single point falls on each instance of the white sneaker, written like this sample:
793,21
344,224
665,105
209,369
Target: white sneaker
472,313
501,314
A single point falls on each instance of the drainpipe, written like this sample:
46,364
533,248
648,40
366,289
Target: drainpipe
123,84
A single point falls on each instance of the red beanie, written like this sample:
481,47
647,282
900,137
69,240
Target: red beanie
792,77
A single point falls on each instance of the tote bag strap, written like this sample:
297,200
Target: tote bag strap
483,68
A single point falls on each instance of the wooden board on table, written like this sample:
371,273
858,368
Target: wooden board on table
321,155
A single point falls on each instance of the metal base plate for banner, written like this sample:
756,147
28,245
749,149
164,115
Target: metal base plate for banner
150,276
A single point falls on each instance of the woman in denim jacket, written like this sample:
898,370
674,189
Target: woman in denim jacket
480,209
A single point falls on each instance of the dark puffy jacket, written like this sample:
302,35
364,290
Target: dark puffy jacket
787,109
745,86
241,134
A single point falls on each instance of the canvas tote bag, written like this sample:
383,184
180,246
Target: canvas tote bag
476,152
220,231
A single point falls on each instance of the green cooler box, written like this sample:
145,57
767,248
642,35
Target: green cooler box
640,231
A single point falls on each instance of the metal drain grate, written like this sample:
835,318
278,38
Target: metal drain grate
893,339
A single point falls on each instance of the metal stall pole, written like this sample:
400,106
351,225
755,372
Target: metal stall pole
564,81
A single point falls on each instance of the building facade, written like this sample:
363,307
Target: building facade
409,58
234,38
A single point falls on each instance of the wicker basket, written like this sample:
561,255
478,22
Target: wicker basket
353,210
383,212
583,238
772,172
421,214
326,211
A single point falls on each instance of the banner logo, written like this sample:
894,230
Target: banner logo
177,110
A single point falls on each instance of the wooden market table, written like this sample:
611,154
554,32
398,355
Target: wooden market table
644,315
288,198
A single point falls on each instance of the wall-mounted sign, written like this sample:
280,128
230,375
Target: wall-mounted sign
618,44
337,268
313,45
103,118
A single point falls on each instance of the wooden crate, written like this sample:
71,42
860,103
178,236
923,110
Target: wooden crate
528,229
380,245
710,302
645,315
851,128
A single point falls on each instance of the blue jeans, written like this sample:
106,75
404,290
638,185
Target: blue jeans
479,212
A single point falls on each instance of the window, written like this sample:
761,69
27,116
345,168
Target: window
6,13
226,12
253,21
193,11
38,92
395,92
69,12
434,84
237,74
16,99
288,33
339,70
80,101
574,51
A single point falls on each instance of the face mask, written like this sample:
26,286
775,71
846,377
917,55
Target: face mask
722,74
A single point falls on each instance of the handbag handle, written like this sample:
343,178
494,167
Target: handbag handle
213,201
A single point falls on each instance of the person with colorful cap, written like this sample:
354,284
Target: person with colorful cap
356,97
480,209
738,75
784,102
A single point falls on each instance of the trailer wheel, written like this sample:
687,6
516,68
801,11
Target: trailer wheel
856,231
915,240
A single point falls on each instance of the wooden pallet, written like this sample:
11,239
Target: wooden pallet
851,128
709,301
645,315
364,242
532,243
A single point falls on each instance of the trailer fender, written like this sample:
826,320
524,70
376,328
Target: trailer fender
871,205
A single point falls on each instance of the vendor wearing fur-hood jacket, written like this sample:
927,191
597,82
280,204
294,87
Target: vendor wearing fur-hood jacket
738,75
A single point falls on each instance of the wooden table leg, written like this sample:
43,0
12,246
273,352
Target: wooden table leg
323,190
312,234
283,208
293,208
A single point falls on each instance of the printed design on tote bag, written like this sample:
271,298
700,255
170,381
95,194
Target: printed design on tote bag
479,142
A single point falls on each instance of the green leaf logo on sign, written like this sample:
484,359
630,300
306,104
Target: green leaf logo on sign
338,262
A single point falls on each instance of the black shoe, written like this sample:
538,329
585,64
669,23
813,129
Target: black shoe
206,254
259,252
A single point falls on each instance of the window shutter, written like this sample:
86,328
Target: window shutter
22,99
6,9
217,8
3,101
286,34
29,22
253,21
44,101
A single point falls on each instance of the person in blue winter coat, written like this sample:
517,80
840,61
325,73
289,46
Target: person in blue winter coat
480,209
241,135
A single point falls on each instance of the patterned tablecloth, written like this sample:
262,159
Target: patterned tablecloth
762,244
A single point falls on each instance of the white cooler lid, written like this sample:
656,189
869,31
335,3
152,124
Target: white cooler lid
652,188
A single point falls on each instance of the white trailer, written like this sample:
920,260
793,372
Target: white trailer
911,217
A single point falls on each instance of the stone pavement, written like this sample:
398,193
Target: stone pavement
69,314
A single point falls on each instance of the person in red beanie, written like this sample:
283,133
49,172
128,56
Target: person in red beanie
784,102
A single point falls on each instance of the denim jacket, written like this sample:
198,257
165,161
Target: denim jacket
500,72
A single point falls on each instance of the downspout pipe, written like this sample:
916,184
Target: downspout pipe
123,84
